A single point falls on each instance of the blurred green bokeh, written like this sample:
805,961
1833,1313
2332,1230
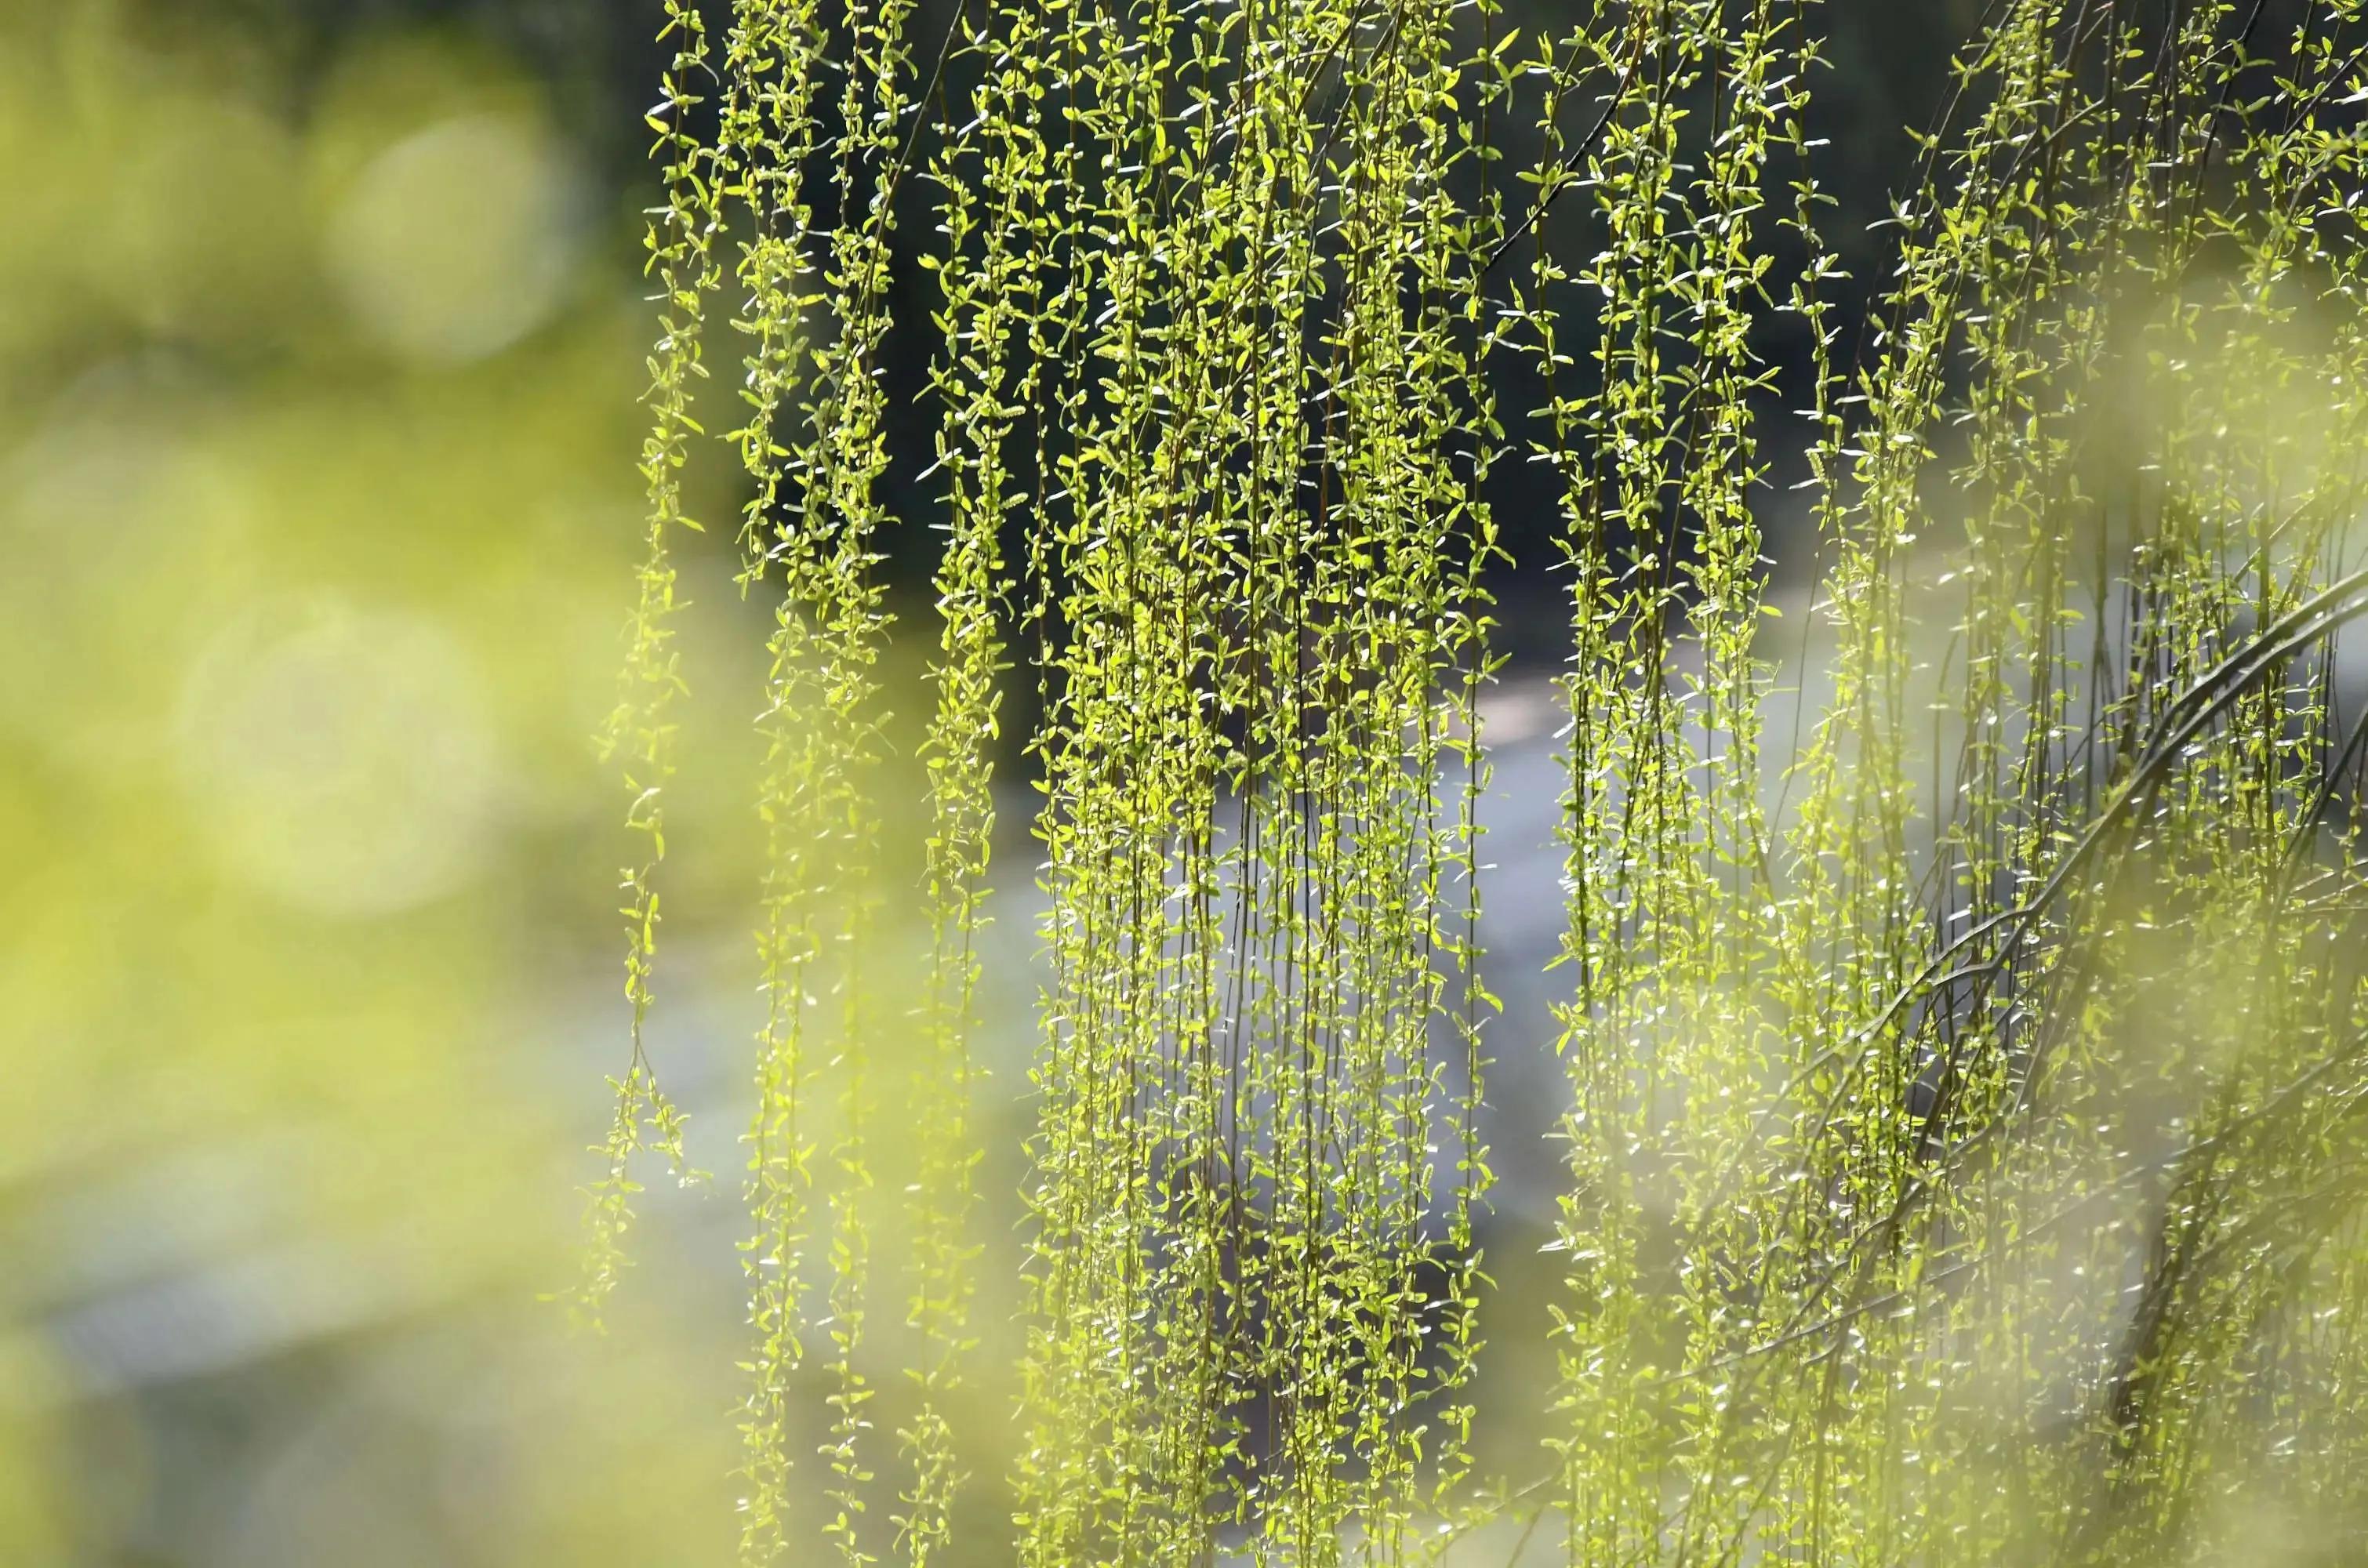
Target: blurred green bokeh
318,506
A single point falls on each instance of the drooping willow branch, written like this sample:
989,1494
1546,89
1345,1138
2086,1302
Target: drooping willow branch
1962,1092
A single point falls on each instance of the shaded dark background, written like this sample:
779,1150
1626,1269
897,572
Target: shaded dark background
1887,72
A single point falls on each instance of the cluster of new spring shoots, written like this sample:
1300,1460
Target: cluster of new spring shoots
1965,1151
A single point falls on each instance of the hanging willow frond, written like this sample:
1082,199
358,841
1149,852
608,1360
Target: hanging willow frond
682,261
1966,1077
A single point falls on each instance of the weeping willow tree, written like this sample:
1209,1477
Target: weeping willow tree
1962,989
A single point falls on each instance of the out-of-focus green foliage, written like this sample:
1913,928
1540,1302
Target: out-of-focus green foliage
314,519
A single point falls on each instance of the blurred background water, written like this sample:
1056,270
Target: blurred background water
321,334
